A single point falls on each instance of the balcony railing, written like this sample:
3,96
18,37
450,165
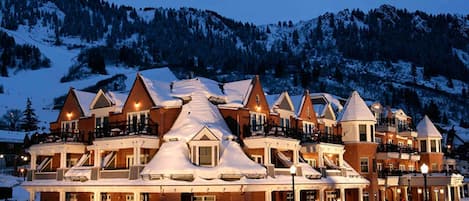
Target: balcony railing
279,131
123,128
58,136
395,148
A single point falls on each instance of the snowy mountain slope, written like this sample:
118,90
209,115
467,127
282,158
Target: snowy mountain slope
286,55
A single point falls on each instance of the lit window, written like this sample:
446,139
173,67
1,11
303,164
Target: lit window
204,198
257,158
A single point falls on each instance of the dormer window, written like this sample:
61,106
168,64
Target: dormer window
70,126
204,148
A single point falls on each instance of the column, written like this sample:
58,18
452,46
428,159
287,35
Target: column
267,154
448,193
268,195
382,194
457,194
360,194
33,161
404,193
321,194
342,194
63,159
137,196
97,196
32,195
295,155
320,158
137,156
297,194
341,159
62,196
97,157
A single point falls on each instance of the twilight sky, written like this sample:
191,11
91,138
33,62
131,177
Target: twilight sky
272,11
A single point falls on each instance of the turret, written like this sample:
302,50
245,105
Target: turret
357,121
429,141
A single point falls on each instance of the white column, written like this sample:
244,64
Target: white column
137,157
457,193
97,157
341,160
342,194
268,195
448,193
382,194
97,196
136,196
320,158
62,196
267,155
32,195
295,155
297,194
63,159
360,194
33,161
321,194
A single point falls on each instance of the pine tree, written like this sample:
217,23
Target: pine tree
30,121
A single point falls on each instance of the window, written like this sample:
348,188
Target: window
70,126
364,164
423,146
391,166
366,196
204,198
257,121
378,140
257,159
411,168
433,145
402,167
379,166
311,162
205,156
400,144
310,195
289,196
308,127
362,131
137,121
372,130
129,198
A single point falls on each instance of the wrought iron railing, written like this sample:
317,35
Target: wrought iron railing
396,148
123,128
279,131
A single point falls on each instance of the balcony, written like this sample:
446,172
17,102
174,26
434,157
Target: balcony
396,148
122,128
57,136
278,131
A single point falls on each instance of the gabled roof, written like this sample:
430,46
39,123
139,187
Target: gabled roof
426,129
159,92
356,110
281,101
117,99
237,93
298,102
84,100
98,98
334,100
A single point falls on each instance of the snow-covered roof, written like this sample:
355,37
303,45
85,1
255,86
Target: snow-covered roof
332,99
173,159
118,99
12,136
235,161
195,115
297,102
237,93
160,74
426,129
84,100
160,93
355,109
185,88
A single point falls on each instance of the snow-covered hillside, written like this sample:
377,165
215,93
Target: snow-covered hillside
272,11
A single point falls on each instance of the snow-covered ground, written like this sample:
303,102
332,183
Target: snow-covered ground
43,85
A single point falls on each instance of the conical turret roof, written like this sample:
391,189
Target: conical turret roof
425,129
356,110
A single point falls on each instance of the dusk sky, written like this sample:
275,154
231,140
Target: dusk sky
272,11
